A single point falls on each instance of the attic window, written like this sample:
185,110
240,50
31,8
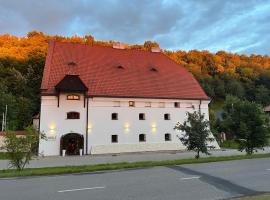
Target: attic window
120,67
153,69
71,64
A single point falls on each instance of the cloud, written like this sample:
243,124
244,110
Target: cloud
236,26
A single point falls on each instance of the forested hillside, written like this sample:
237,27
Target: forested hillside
22,61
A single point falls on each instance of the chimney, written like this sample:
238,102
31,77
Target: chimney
118,45
155,49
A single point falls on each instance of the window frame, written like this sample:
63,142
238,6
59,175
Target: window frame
177,104
114,140
167,137
144,137
167,118
131,103
114,117
143,116
69,114
73,99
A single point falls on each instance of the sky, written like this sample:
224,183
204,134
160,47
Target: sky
241,26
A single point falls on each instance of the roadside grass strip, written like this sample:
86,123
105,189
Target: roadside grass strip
255,197
115,166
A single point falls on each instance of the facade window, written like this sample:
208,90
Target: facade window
141,116
114,139
168,137
176,104
167,116
147,104
161,104
131,103
73,97
142,138
114,116
73,115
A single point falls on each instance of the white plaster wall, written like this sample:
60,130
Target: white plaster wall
127,127
54,122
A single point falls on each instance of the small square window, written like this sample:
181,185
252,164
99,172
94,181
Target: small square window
116,103
114,139
131,103
141,116
73,115
167,116
168,137
176,104
114,116
161,104
142,138
147,104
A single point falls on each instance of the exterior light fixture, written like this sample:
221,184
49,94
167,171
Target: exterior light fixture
154,128
126,127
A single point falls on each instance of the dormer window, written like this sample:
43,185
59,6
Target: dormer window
71,64
73,97
120,67
73,115
153,69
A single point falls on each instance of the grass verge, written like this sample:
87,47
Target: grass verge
257,197
114,166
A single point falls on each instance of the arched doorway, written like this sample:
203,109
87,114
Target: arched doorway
72,143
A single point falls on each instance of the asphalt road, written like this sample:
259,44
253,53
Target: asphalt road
186,182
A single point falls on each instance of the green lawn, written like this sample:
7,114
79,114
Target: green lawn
102,167
257,197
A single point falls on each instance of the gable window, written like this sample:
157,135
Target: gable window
131,103
73,115
168,137
167,116
114,139
73,97
142,138
141,116
114,116
176,104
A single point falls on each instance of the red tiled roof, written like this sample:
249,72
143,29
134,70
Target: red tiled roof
113,72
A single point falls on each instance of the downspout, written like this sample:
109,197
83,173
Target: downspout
86,139
200,106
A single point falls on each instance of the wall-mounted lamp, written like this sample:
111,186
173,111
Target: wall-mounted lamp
154,127
126,127
90,126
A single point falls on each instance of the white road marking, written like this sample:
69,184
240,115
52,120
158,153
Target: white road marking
189,178
268,169
80,189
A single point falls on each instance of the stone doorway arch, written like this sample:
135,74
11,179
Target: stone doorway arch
72,143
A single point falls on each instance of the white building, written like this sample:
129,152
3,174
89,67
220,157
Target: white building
113,100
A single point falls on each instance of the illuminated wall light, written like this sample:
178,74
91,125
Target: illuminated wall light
52,127
126,127
154,128
90,126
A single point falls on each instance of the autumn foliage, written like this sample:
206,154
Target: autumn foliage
22,60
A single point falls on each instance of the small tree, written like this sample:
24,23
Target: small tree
20,150
247,122
196,133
